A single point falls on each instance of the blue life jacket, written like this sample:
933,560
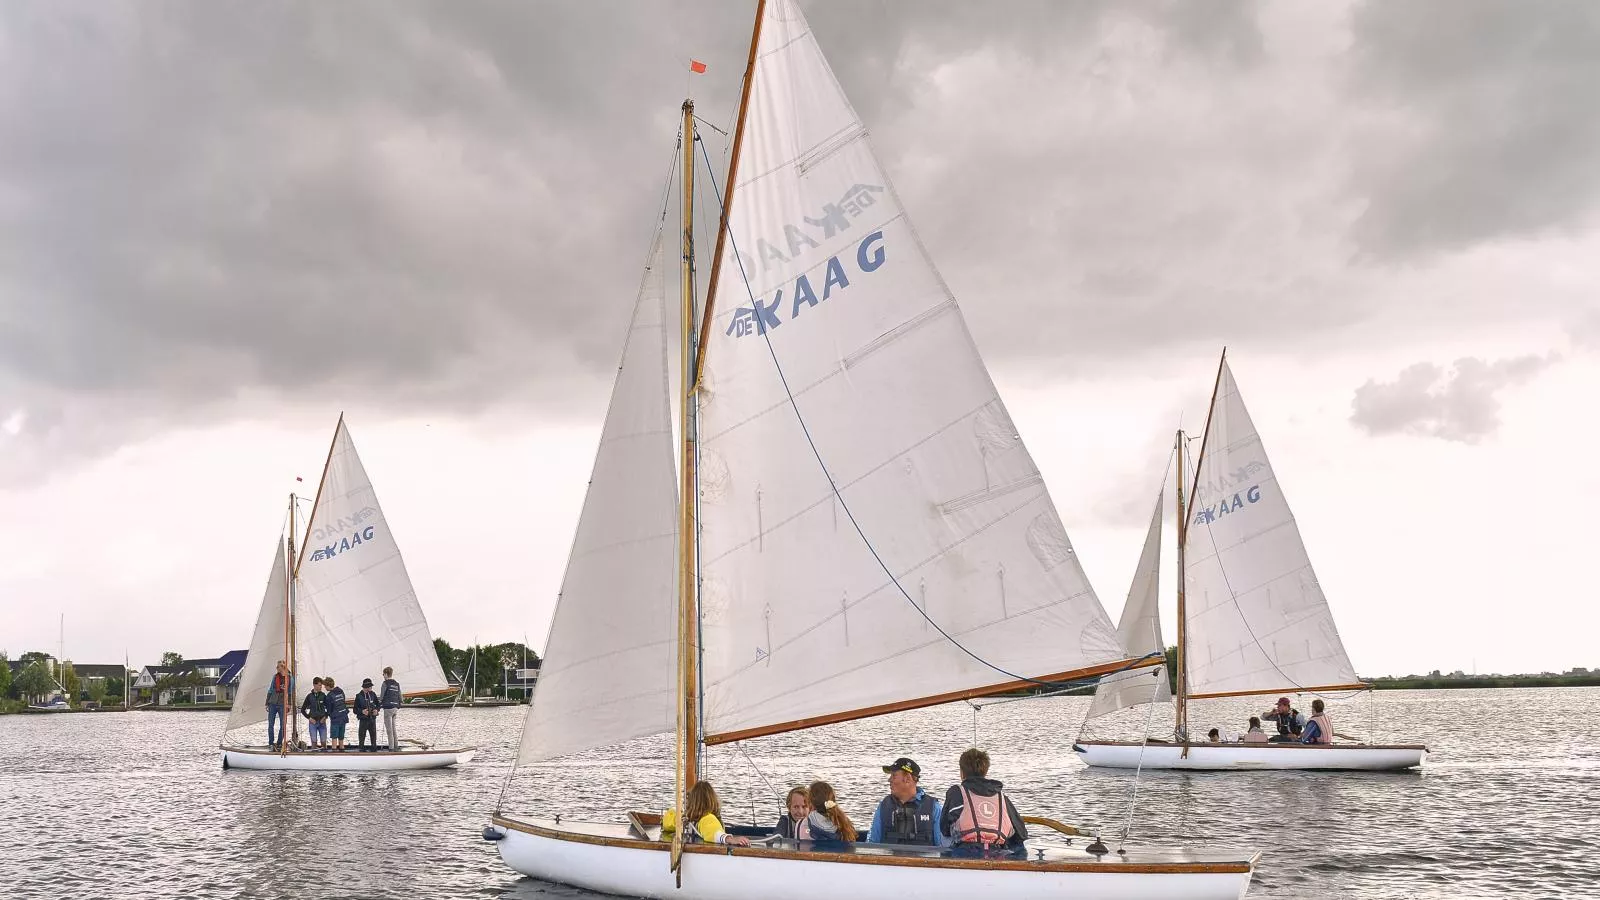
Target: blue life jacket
908,823
337,710
391,694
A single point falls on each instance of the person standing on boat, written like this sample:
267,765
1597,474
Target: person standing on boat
390,699
366,717
1319,730
315,708
277,690
1289,720
977,813
792,824
908,814
338,713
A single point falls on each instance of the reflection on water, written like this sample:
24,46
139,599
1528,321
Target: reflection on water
137,804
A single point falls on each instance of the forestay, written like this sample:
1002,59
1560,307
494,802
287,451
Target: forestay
609,664
1139,631
1257,619
266,648
355,610
799,621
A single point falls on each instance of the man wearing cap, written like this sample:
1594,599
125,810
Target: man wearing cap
1289,720
367,717
908,815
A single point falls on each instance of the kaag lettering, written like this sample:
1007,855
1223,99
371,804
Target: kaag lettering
764,315
347,542
1228,505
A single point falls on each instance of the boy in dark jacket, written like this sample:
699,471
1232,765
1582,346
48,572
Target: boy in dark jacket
315,708
366,717
390,699
978,817
338,713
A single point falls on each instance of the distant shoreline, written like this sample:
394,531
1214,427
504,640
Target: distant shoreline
1486,681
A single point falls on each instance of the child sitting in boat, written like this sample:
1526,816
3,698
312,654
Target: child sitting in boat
703,811
827,822
792,824
1255,735
1319,730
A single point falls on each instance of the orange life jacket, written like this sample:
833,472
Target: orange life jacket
1324,729
983,820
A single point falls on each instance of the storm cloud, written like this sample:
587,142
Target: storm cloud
1458,404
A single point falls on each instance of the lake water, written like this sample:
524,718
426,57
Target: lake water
137,805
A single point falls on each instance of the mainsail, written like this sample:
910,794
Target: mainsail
355,610
1139,631
1257,619
607,670
844,309
266,648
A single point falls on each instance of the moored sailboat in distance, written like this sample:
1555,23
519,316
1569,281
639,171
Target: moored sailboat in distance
342,606
1252,618
861,531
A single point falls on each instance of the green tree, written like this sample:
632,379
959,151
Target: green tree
34,681
97,690
171,658
5,675
116,688
33,656
446,654
71,684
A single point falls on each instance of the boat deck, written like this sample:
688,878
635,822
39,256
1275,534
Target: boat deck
1045,857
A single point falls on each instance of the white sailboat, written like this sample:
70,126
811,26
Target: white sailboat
864,531
343,606
1252,618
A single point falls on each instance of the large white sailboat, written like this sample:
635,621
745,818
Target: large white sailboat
862,532
342,606
1252,618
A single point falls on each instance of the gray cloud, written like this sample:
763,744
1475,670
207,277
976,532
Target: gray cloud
1484,121
1461,404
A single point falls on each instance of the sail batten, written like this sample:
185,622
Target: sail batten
859,474
1258,622
607,672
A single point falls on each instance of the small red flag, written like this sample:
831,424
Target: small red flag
697,67
298,478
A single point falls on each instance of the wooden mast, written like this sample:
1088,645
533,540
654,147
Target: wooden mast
288,639
1182,694
688,611
727,189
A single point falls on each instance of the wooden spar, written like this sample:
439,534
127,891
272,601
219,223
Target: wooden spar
288,634
933,700
688,611
727,189
294,561
1182,675
1183,539
1317,689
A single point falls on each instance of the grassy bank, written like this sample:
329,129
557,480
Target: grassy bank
1486,681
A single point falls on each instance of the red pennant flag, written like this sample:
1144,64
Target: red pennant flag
298,478
697,67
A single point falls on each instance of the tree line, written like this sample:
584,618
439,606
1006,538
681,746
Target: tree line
483,667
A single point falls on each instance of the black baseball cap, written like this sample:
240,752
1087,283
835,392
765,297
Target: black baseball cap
366,682
905,764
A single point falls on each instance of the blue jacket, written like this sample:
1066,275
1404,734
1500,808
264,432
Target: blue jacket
882,830
315,706
337,710
1312,733
391,697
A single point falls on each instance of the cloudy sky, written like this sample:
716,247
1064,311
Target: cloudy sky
223,223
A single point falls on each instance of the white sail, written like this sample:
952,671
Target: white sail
355,611
266,648
609,667
1139,631
1257,619
800,622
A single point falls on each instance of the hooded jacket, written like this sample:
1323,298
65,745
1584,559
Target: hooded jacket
982,787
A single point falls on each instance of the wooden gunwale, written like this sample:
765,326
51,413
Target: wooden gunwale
1232,745
1109,865
354,754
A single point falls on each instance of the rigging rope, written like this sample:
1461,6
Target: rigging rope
1138,769
833,485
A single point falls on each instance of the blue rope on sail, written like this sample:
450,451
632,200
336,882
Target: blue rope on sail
834,487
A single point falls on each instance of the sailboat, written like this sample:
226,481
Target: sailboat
861,529
342,606
1252,618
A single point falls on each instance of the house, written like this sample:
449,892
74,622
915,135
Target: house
214,680
91,674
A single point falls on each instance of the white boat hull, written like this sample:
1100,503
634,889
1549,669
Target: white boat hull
1223,757
261,758
587,856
